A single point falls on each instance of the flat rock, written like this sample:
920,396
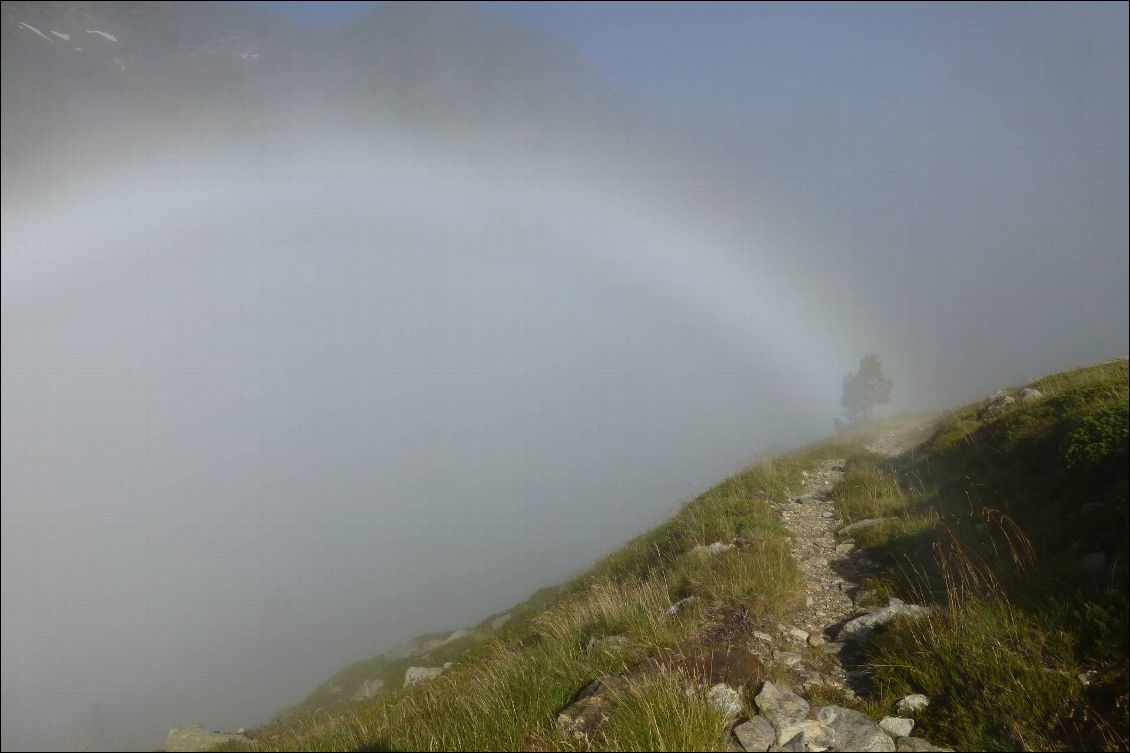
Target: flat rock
755,734
780,705
499,621
861,627
896,726
1030,394
854,730
860,525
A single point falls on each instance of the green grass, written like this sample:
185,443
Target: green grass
659,714
995,511
504,693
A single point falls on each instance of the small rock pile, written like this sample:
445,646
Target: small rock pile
787,722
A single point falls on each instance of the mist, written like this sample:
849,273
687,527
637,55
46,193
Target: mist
284,387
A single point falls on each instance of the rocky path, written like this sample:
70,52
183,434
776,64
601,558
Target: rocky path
812,518
833,568
835,623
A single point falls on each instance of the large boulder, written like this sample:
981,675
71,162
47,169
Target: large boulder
193,737
854,730
861,627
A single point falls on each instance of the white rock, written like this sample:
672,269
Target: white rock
415,675
896,726
911,703
726,700
716,548
679,606
861,627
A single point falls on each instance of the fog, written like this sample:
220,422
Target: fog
275,400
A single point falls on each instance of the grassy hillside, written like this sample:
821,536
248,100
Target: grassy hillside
1010,518
1013,519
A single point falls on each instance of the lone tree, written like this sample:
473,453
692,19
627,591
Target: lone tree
863,390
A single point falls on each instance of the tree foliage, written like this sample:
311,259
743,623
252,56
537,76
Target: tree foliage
864,390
